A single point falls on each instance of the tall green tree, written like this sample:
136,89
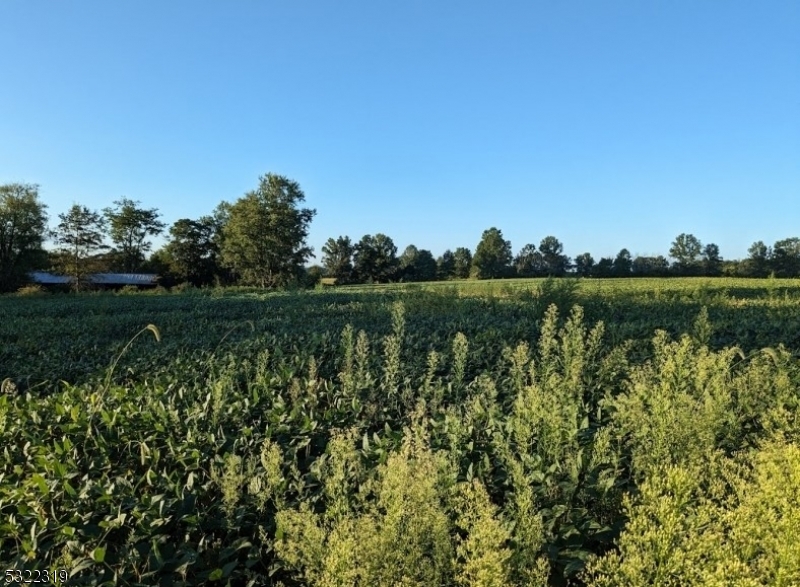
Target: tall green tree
686,250
79,235
193,251
758,263
462,263
555,261
375,259
650,266
528,262
417,264
623,264
712,261
337,258
584,265
264,234
446,265
786,257
23,228
492,255
604,267
129,226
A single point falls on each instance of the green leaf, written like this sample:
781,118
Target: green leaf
99,554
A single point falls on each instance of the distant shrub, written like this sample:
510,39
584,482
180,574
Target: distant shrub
182,287
128,290
32,290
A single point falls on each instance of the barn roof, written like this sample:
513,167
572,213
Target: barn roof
97,278
123,278
48,278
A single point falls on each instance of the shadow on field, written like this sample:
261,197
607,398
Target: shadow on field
74,338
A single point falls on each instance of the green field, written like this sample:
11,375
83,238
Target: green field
517,432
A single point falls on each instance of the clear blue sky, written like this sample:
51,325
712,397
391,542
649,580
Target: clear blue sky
607,124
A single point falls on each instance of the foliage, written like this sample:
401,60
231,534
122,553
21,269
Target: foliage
446,266
554,432
555,262
723,522
23,226
528,262
584,265
192,253
686,250
337,258
492,255
417,265
128,227
623,264
265,233
80,235
31,290
375,259
462,262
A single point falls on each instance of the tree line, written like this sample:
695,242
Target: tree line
374,260
260,239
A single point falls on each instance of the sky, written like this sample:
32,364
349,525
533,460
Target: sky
607,124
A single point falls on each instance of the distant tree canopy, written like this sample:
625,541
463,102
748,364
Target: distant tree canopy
492,256
23,228
264,236
79,236
375,259
650,266
584,265
446,265
129,226
555,262
260,239
337,259
623,264
686,250
462,261
529,262
417,265
193,250
786,257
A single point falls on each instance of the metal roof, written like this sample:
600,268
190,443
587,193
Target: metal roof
97,278
48,278
123,278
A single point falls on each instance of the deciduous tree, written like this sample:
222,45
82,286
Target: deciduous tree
623,264
462,260
129,226
528,262
337,258
193,251
264,235
375,259
786,257
446,265
555,262
686,250
23,228
757,264
492,256
584,264
643,266
417,264
80,237
712,261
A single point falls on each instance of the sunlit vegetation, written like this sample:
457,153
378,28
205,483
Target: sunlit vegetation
554,432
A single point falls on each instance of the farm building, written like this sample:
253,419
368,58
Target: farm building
99,280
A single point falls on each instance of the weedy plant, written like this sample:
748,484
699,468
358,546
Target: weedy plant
605,433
